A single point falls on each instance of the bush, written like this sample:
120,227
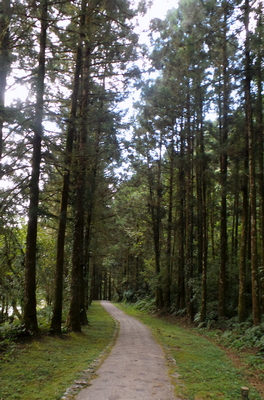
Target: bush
244,336
12,332
147,304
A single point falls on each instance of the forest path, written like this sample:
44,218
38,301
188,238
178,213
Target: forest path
136,367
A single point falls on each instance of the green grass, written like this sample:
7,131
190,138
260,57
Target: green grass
204,368
44,368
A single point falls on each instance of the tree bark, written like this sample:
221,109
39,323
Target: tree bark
260,140
189,213
167,289
30,313
58,293
252,175
223,177
243,246
77,313
203,213
155,194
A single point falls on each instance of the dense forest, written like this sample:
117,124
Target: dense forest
163,205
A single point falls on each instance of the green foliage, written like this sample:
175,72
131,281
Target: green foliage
12,331
147,304
244,335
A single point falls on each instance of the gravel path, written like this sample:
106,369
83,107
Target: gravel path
135,369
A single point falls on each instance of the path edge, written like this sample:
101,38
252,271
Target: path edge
90,373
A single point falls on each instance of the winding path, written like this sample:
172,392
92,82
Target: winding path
136,367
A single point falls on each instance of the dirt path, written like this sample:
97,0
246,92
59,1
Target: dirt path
135,369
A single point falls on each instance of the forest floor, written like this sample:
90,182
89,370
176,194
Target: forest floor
135,369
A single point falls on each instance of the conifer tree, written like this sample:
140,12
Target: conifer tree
30,311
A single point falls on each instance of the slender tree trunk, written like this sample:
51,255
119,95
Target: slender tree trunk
212,223
189,207
30,313
204,235
188,236
260,132
4,63
223,178
110,286
155,207
74,317
181,284
159,291
235,223
204,251
252,175
243,249
58,295
167,290
91,190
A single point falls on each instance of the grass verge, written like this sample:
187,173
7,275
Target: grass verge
43,368
204,369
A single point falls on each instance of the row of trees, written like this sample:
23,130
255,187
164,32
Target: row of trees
184,225
59,146
203,178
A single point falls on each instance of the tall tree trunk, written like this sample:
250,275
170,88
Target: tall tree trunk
189,208
159,291
58,293
189,226
204,250
260,132
203,215
91,190
74,316
252,175
30,313
243,245
77,313
155,208
235,222
223,177
167,288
